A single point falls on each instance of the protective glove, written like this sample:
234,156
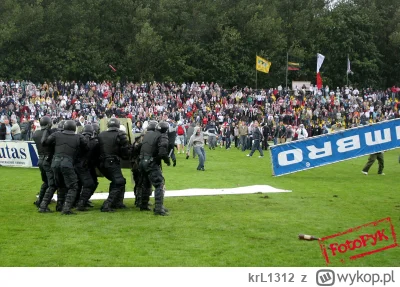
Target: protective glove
168,162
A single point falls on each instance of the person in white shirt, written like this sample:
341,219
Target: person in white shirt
301,132
15,130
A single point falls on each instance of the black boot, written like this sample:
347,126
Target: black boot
145,208
43,207
119,201
89,204
44,210
66,210
59,206
159,208
81,206
106,207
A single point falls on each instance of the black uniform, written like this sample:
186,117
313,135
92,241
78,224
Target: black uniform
136,174
171,143
66,144
154,149
85,168
266,131
45,156
113,145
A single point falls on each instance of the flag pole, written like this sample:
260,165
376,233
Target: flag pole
256,72
347,70
287,59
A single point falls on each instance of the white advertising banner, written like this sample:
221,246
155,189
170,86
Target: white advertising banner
18,154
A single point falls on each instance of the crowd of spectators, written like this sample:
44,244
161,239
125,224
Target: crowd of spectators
279,111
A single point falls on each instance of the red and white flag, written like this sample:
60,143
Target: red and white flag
112,68
320,60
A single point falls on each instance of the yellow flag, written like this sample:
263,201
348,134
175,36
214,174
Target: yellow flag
262,65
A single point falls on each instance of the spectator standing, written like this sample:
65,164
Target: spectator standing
371,159
227,132
180,139
197,141
3,131
211,130
15,131
266,131
257,139
24,129
235,130
325,130
289,133
8,129
301,132
243,135
280,133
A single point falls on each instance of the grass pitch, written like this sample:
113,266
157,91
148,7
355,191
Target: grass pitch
229,230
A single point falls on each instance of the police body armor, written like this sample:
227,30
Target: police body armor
45,154
149,146
88,158
43,151
67,144
113,143
135,154
172,137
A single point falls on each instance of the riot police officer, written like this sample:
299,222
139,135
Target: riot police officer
96,130
60,126
85,168
45,156
136,175
66,145
61,190
154,149
113,145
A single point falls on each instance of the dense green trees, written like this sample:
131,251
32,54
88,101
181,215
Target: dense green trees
204,40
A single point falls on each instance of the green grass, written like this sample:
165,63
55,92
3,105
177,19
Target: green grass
229,230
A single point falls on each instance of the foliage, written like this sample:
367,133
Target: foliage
208,40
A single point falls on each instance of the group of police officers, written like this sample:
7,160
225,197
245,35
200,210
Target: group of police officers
68,162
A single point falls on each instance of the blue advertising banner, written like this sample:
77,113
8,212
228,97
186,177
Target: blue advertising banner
327,149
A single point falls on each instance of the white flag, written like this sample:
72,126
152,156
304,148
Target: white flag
320,60
348,66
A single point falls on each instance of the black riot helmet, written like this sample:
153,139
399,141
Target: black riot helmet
152,126
88,130
96,128
70,125
60,126
113,123
45,121
163,127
